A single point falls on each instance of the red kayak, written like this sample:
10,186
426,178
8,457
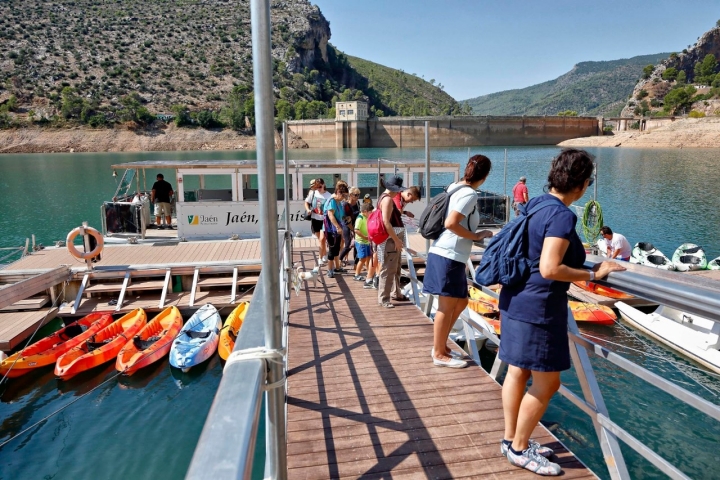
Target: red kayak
46,351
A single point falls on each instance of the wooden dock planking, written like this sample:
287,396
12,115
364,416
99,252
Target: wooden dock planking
17,326
365,400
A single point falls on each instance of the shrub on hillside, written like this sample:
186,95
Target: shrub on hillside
670,73
696,114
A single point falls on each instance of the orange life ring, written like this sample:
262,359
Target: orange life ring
82,255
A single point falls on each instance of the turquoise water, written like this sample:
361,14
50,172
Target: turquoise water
146,426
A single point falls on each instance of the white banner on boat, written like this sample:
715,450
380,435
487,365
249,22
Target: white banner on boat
213,219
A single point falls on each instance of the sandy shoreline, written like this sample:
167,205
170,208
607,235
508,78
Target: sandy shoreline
684,133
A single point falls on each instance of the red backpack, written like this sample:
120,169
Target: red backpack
375,225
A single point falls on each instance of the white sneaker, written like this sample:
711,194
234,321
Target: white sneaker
453,354
531,460
323,261
452,363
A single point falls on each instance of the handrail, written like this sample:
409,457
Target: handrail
227,444
688,293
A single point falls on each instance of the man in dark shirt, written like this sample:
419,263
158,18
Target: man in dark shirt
160,196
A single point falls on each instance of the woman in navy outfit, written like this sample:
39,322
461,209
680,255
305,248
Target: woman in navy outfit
534,314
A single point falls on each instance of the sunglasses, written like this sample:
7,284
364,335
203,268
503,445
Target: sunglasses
592,180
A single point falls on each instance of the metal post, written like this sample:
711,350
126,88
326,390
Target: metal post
505,176
595,185
286,161
427,174
276,464
378,183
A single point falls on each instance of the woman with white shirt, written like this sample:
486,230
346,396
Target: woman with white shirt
445,270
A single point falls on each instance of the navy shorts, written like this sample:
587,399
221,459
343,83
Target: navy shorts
445,277
534,346
363,250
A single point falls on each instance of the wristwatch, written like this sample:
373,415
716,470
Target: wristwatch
592,276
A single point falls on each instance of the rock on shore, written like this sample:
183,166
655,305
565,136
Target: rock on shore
683,133
171,138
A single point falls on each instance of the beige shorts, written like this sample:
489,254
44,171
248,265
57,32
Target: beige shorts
163,209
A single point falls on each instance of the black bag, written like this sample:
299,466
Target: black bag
307,216
432,220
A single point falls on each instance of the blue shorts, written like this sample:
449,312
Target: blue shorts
364,250
445,277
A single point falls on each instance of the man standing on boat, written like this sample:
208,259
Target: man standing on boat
617,245
520,195
160,197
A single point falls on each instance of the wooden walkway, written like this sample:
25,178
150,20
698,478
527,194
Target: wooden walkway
364,399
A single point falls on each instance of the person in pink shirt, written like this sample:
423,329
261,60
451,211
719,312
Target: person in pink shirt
520,195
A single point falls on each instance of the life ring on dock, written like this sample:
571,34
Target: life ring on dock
84,255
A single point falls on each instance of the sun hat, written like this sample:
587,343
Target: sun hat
394,183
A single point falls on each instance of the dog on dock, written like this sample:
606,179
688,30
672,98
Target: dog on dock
300,276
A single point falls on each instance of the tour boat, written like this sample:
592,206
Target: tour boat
689,256
692,336
230,330
101,347
151,343
197,340
46,351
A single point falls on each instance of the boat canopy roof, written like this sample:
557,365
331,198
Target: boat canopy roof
252,164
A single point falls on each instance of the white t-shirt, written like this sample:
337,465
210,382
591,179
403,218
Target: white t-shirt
620,243
317,201
449,245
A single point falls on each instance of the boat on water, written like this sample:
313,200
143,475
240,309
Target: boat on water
151,343
598,289
645,253
689,256
101,347
690,335
46,351
220,198
231,328
198,339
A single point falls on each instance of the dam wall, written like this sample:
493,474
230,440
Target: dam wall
407,132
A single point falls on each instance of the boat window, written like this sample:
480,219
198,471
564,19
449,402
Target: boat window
250,187
207,188
330,180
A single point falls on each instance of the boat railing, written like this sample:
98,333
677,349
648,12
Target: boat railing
227,445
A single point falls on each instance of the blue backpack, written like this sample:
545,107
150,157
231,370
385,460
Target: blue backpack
505,259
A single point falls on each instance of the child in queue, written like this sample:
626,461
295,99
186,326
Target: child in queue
362,243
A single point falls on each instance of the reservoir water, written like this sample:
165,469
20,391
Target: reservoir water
147,426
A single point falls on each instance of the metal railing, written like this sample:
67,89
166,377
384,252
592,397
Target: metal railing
227,444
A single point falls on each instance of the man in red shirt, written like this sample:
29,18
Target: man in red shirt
520,195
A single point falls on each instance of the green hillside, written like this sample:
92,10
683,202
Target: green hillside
590,88
103,63
402,93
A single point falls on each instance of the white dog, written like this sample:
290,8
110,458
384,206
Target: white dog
301,276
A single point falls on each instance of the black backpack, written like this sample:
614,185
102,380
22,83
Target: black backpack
432,220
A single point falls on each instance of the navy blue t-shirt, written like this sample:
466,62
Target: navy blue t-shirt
541,300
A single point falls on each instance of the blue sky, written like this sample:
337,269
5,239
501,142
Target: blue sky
483,46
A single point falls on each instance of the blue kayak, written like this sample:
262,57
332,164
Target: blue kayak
198,339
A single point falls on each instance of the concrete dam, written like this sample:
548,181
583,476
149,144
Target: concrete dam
407,132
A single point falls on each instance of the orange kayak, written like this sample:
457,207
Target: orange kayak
600,290
151,343
486,306
230,330
101,347
46,351
592,313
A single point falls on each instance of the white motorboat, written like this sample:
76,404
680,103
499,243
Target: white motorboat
695,337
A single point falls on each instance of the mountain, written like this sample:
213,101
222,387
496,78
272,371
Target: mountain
102,63
685,82
402,93
590,88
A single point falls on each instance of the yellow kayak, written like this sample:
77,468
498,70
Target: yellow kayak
230,329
